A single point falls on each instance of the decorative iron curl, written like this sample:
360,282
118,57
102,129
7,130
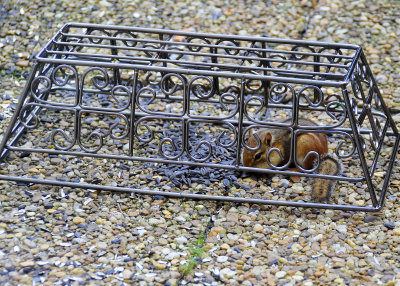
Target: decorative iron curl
61,132
341,142
127,43
114,126
279,90
229,98
167,79
210,143
152,94
300,57
98,41
307,98
27,110
119,103
97,79
283,167
248,85
195,48
222,134
317,162
152,78
151,132
333,105
35,118
99,135
258,110
255,135
93,134
229,51
162,153
149,101
199,89
36,91
270,151
196,149
332,59
41,94
67,78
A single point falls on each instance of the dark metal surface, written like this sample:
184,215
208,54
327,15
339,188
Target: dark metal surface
183,97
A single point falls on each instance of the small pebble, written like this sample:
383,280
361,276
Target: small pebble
389,225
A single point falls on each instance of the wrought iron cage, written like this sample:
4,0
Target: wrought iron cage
126,94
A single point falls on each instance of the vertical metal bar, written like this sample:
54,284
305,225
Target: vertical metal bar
266,83
185,125
214,60
359,147
294,126
116,72
133,110
240,123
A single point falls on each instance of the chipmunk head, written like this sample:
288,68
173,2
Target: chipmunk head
258,158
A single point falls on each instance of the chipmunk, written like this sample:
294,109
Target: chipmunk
306,142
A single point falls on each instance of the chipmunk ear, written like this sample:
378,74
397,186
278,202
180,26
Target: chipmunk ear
251,132
268,139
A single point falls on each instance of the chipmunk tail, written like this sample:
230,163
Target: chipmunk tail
330,164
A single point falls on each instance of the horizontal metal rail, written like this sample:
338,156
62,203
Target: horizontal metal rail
192,71
202,45
182,162
248,58
191,196
211,35
203,65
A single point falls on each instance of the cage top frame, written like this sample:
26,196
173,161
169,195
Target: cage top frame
65,47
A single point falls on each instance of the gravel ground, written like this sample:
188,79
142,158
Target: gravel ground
52,235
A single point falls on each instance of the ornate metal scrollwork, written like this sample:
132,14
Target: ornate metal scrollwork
61,132
204,88
61,76
94,141
126,34
278,92
196,48
226,43
341,143
318,99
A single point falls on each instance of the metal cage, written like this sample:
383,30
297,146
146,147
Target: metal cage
172,97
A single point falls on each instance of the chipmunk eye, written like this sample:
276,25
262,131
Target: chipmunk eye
257,156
